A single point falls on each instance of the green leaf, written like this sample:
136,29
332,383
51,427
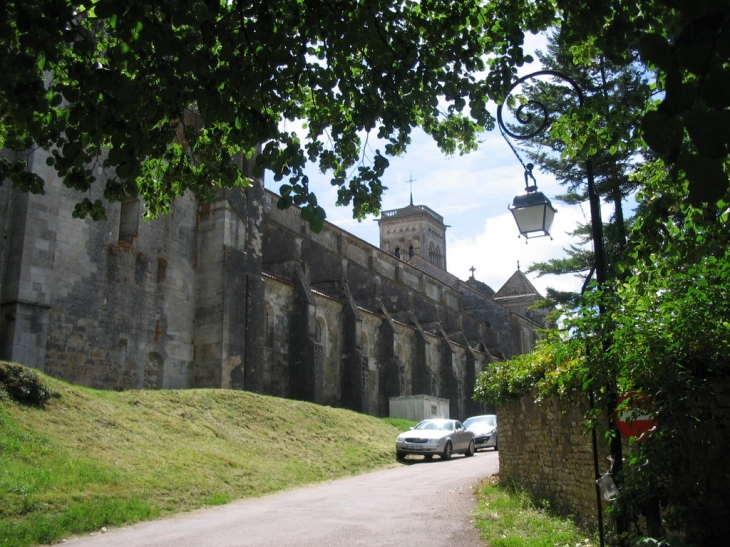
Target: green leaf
679,97
715,88
284,202
708,182
307,213
662,133
655,50
105,8
694,54
708,132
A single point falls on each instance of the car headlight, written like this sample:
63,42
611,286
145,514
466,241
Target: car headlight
399,439
432,441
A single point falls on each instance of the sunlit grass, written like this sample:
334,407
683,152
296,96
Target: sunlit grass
94,459
400,424
507,517
100,458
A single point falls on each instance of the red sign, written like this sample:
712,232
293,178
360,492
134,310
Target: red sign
636,418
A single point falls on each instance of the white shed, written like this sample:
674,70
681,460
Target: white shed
418,407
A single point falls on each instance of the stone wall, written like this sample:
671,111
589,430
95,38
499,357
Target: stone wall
366,357
543,448
78,302
235,294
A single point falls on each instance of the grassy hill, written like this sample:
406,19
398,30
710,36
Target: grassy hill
87,458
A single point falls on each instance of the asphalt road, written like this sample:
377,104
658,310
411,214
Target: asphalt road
418,504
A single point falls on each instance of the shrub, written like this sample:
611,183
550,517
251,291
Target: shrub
23,385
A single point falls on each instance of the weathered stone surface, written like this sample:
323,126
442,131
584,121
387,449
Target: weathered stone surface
543,447
237,294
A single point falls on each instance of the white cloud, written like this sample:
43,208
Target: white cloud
472,193
495,251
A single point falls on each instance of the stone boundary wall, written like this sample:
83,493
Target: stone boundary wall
544,449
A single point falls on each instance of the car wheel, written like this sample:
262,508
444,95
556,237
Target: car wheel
400,455
471,450
447,451
496,446
428,456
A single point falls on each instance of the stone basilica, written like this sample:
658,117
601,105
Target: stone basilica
236,294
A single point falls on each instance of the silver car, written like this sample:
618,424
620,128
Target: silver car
484,429
436,437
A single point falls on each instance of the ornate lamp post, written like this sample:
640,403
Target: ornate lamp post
534,127
532,210
526,118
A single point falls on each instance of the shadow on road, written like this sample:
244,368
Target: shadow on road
410,459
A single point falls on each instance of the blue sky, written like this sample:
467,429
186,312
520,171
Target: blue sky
472,193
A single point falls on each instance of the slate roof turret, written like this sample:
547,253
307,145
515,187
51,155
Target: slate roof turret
517,285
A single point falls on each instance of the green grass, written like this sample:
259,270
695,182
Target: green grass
400,424
507,517
101,458
93,459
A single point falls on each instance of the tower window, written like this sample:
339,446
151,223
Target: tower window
434,255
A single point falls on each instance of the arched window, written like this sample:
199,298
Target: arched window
321,333
434,254
397,252
410,250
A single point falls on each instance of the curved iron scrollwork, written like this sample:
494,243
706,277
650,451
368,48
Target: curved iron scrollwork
525,115
525,112
533,211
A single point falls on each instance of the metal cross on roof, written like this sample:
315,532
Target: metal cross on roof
410,181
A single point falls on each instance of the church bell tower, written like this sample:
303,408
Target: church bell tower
411,231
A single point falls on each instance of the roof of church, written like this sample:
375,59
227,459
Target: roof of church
411,210
421,263
517,285
480,286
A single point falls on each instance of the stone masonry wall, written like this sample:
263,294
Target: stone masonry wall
85,306
543,448
231,294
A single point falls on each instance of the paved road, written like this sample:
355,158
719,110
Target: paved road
424,503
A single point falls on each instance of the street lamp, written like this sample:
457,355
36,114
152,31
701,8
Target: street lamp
532,210
524,115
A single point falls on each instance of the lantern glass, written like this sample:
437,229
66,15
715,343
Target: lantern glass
533,214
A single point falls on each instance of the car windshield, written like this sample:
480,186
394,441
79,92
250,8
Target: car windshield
485,420
433,425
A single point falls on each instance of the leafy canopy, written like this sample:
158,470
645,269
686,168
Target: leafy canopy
155,98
